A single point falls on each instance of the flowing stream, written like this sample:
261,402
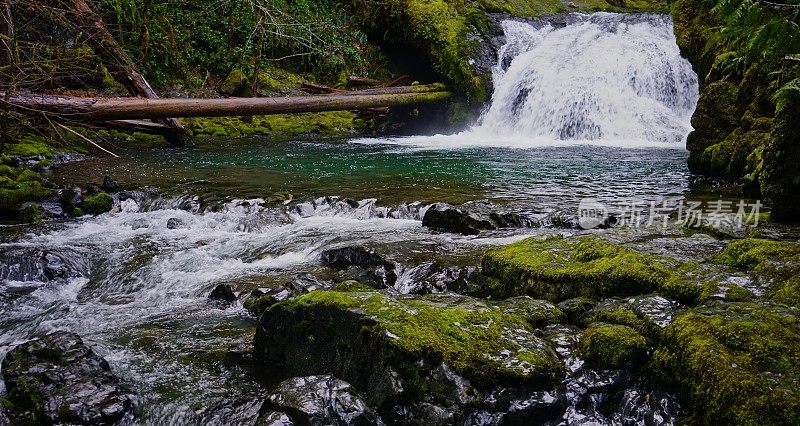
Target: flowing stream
598,106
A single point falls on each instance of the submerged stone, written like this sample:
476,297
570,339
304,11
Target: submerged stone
57,379
735,363
317,400
387,346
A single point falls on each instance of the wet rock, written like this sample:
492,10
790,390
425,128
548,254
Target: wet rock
431,278
519,406
56,379
363,265
61,158
110,185
422,414
29,264
175,223
317,400
649,408
52,208
484,418
223,293
70,197
261,299
383,345
648,314
446,218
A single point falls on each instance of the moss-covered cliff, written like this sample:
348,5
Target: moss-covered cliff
742,130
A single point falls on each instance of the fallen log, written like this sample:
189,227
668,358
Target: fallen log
354,80
318,89
104,109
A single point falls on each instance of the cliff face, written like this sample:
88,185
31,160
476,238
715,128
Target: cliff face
738,133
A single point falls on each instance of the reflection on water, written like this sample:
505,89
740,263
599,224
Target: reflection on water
537,178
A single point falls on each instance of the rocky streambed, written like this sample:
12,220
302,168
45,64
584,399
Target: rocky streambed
618,326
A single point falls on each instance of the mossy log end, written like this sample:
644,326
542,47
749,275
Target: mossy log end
89,110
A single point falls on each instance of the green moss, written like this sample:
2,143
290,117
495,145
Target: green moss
29,146
735,363
236,83
575,308
31,214
339,123
351,286
557,269
76,212
776,260
612,345
97,203
14,193
737,293
464,333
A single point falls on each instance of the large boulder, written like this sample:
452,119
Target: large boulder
736,363
392,347
317,400
57,379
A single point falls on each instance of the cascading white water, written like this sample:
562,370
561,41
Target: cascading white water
603,77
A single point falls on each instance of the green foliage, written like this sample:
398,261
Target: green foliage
735,363
178,40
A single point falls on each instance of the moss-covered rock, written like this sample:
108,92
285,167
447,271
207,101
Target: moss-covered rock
780,176
18,186
236,84
376,342
557,269
97,203
612,345
734,363
717,115
778,261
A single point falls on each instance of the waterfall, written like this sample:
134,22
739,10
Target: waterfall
601,77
